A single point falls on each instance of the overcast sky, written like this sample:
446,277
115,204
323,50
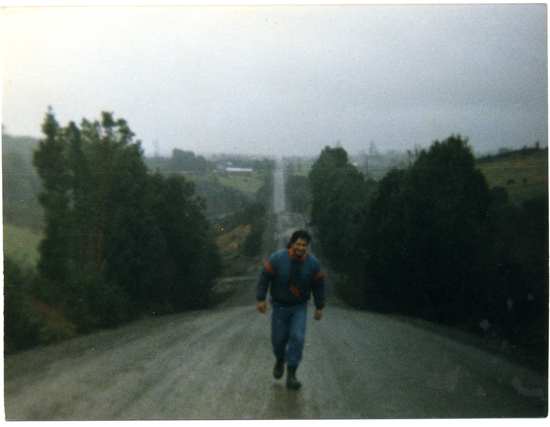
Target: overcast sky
283,80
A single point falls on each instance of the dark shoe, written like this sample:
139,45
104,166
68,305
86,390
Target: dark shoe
291,381
279,369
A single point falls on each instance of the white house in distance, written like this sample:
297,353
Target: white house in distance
228,168
246,171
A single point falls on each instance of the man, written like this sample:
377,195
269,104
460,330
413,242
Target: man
293,275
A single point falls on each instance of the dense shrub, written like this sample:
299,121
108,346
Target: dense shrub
435,222
28,320
433,241
21,326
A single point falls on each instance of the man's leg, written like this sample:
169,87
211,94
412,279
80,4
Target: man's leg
296,342
280,333
297,336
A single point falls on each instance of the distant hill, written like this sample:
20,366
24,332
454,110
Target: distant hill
18,144
20,183
522,173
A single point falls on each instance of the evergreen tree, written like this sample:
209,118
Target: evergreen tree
113,231
50,160
431,235
188,269
338,190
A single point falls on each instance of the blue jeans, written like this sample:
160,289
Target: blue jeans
288,328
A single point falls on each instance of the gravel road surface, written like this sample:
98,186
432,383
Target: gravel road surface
217,364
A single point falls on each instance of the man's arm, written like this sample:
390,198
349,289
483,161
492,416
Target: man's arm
266,277
318,291
261,307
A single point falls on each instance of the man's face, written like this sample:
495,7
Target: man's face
299,247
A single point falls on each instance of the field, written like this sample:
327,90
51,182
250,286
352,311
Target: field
523,176
21,244
248,184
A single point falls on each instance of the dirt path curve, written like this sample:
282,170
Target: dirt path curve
217,365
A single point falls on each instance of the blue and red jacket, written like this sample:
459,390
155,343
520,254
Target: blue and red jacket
292,279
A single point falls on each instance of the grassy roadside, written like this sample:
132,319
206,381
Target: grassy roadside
21,244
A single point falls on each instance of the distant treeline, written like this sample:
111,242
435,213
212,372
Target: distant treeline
433,241
187,161
221,201
119,242
21,183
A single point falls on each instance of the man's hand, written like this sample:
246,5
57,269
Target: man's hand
261,307
318,314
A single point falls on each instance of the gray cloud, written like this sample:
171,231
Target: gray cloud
284,80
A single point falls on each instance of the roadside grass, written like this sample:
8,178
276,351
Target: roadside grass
21,245
231,243
523,176
247,184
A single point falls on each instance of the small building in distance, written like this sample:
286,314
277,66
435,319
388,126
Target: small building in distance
228,168
246,171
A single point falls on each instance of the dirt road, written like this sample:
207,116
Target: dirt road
216,364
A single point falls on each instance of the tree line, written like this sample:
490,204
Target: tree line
119,241
432,240
21,184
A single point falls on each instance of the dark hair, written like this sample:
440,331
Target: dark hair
299,234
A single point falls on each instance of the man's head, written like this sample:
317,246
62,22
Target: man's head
299,241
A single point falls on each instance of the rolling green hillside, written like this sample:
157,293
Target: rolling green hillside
21,244
523,173
246,184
